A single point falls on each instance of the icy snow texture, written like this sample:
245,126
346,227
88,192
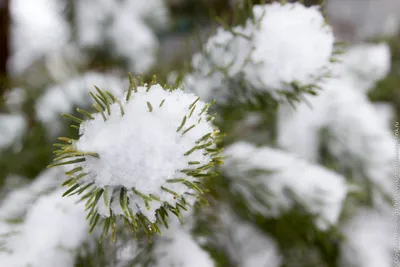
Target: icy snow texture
50,235
12,127
246,245
287,43
123,23
38,28
143,149
358,134
318,189
62,98
294,49
369,240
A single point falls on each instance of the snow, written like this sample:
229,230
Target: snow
246,245
355,22
320,190
177,248
143,149
124,25
12,128
11,182
205,86
126,252
134,40
359,137
18,201
285,43
52,231
41,31
386,111
62,98
295,49
360,134
90,17
363,65
38,29
14,99
369,240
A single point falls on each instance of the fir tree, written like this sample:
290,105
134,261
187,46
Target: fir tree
264,150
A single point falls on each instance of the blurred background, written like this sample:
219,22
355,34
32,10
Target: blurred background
45,43
52,52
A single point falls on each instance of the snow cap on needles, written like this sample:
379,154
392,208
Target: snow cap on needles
140,156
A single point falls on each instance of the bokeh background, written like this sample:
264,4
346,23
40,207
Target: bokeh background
53,51
44,43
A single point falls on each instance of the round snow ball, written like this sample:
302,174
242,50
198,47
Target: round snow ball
148,144
292,42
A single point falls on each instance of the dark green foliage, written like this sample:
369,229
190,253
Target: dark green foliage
35,152
300,241
298,238
388,90
31,160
